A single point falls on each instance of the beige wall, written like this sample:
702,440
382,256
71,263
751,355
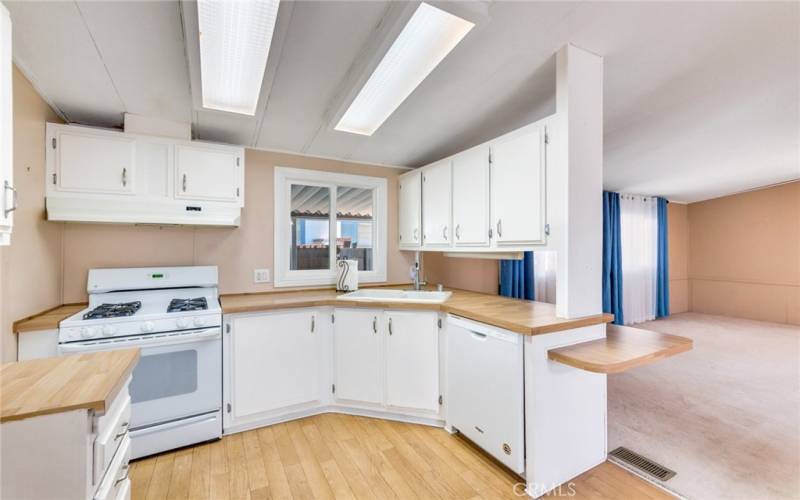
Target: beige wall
744,255
30,268
47,263
236,251
478,275
678,221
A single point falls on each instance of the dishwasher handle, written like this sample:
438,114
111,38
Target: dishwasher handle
478,335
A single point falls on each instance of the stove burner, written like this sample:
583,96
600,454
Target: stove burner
180,305
113,310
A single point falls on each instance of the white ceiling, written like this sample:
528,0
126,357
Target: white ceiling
701,99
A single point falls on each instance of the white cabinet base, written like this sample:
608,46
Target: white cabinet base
565,412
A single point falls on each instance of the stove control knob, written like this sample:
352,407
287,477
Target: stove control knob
148,327
182,323
109,330
87,332
199,322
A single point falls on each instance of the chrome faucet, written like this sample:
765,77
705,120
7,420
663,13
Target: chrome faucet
415,273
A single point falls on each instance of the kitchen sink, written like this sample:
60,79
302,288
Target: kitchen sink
379,295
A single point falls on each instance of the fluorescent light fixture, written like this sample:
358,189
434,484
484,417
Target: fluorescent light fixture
428,37
234,44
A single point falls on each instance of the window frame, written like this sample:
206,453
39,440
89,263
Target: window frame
284,178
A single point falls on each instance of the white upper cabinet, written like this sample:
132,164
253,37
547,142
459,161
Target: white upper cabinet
488,198
357,356
94,162
207,173
436,204
518,188
412,360
101,175
8,197
410,209
471,197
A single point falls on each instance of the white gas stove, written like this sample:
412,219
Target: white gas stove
136,301
173,315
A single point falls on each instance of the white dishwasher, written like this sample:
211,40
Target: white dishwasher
485,389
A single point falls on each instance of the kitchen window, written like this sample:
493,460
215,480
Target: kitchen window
322,217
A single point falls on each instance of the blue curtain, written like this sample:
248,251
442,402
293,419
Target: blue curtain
516,277
612,257
662,271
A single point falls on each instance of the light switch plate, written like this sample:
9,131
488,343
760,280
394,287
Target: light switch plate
261,276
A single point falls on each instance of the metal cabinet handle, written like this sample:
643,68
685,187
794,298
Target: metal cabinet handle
390,325
120,434
124,177
499,228
458,231
375,325
313,323
444,232
415,233
184,183
123,478
7,187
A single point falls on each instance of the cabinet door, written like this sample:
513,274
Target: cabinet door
357,360
436,196
471,197
208,174
410,209
273,362
518,188
412,360
8,195
94,162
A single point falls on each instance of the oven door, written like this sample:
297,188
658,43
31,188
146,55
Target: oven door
179,373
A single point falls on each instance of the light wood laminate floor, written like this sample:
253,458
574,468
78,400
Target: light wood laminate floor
342,456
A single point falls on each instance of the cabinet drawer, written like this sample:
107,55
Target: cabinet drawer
112,430
116,478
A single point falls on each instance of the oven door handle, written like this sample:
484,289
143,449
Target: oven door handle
159,341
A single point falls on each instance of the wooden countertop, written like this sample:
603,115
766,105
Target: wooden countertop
623,348
88,381
47,320
520,316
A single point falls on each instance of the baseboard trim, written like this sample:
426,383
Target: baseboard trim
343,410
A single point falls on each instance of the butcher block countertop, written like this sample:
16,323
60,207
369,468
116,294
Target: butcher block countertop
623,348
53,385
47,320
520,316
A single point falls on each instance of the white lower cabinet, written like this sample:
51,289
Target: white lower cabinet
357,340
273,363
387,359
412,360
72,454
286,364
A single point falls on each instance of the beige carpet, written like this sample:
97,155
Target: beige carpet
725,416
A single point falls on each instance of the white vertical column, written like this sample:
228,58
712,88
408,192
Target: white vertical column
565,408
576,184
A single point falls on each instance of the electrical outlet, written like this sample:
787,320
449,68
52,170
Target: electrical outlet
261,276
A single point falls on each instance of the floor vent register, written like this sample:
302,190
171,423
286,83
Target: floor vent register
641,463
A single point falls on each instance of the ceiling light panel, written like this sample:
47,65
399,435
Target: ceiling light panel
235,37
429,36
